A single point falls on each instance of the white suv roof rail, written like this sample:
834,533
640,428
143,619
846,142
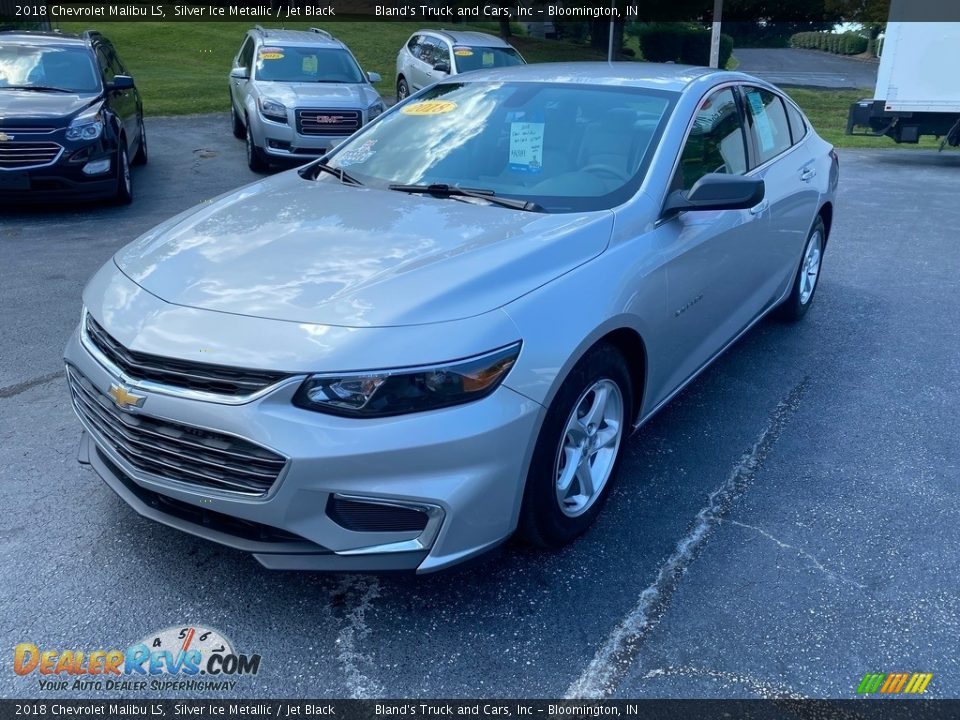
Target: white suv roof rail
321,31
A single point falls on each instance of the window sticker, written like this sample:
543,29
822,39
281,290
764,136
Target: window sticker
271,53
429,107
463,52
359,154
760,121
488,59
309,64
526,146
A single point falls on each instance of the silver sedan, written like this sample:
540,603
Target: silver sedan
446,329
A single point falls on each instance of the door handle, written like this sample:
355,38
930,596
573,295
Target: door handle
807,174
758,209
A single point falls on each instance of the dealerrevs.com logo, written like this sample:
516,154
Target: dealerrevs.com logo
178,658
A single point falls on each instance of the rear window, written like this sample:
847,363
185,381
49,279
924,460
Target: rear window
798,128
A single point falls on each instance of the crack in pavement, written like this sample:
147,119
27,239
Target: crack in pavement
18,388
358,593
613,659
763,688
802,553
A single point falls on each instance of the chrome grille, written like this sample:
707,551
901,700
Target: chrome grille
203,377
19,155
174,451
328,122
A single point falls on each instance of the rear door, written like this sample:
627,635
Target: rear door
786,165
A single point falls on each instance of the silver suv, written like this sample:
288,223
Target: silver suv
432,55
296,93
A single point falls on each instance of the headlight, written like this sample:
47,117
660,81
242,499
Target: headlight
88,126
273,110
380,393
375,110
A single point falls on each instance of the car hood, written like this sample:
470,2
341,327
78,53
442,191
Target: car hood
320,252
20,105
321,95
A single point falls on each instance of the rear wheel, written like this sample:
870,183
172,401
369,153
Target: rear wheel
255,157
403,90
141,157
578,450
124,194
238,131
808,274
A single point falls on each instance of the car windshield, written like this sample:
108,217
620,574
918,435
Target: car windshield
62,68
471,57
565,147
307,64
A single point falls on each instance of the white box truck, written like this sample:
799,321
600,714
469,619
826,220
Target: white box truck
918,85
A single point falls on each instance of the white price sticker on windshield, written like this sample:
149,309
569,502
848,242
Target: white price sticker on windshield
526,146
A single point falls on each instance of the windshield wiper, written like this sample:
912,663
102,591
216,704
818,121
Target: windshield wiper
444,190
338,173
37,88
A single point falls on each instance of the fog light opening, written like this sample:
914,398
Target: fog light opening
97,167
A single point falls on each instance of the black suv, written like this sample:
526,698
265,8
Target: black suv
71,119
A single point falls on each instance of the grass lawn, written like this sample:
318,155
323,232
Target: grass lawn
181,68
827,110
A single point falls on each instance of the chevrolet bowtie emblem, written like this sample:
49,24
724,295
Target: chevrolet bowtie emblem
124,398
4,137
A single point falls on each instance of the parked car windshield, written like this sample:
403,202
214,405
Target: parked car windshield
307,64
566,147
470,57
63,68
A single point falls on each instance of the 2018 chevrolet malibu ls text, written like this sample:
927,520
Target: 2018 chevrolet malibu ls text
446,329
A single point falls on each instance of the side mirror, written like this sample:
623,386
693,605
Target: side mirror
374,77
716,191
240,73
442,66
120,82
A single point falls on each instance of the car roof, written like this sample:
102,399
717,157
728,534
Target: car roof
663,76
468,37
35,37
312,37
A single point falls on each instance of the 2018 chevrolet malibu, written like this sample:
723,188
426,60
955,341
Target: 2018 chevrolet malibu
446,328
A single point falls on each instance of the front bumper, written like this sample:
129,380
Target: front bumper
464,464
63,179
281,141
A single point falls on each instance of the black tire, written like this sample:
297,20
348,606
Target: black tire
256,160
124,194
403,89
542,521
799,300
238,130
142,155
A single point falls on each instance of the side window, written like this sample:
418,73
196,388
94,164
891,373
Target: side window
430,51
414,45
103,61
717,142
246,54
768,123
115,62
798,128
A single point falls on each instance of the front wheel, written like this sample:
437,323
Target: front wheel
141,156
238,131
403,90
578,450
255,158
805,281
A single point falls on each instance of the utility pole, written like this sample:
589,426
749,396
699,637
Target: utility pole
715,35
613,6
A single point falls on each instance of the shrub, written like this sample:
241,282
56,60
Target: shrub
839,43
683,43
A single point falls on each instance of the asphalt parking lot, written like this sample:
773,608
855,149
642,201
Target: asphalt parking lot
786,525
820,69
